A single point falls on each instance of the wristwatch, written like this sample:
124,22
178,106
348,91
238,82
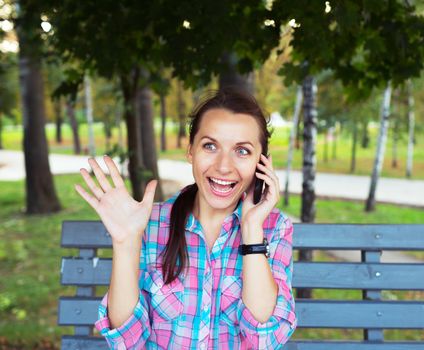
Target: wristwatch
263,248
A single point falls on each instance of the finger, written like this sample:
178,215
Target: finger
101,177
98,193
114,172
270,172
149,192
272,188
89,199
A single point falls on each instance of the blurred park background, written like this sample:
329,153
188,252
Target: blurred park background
342,81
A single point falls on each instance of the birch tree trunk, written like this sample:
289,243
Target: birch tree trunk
309,164
381,144
89,115
40,192
148,142
411,126
293,130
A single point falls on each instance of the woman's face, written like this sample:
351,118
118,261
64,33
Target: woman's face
224,155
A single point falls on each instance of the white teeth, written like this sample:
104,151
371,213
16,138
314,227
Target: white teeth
221,182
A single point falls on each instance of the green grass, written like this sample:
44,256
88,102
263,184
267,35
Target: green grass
12,139
30,259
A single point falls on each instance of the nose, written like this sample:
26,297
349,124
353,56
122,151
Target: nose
224,163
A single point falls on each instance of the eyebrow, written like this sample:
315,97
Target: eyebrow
238,143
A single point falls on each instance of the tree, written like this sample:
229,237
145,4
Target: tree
40,192
358,41
381,144
411,126
295,119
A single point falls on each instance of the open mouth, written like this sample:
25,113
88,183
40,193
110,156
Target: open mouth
221,186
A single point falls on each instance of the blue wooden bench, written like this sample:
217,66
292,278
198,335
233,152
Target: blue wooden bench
372,313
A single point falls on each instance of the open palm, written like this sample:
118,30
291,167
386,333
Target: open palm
124,217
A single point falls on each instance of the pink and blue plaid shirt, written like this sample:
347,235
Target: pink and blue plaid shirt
203,308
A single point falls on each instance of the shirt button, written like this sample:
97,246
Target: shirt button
202,346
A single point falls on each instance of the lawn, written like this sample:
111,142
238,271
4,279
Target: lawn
12,139
30,260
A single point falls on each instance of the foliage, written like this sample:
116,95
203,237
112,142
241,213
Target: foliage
365,43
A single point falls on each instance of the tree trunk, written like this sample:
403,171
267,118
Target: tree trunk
335,133
181,114
298,127
70,111
309,164
326,139
1,130
59,120
354,142
135,163
163,122
296,113
365,135
148,143
229,76
379,158
395,128
40,192
89,115
411,126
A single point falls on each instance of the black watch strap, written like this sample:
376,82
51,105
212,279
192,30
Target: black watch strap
262,248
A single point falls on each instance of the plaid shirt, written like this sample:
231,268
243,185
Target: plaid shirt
203,308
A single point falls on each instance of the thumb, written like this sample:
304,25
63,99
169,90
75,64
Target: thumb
149,192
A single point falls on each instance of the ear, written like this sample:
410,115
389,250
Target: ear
189,154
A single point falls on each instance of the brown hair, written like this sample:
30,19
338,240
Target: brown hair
232,100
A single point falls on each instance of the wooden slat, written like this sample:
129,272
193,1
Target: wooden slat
345,345
95,343
92,234
83,272
311,313
359,237
85,234
360,314
78,311
83,343
80,272
358,276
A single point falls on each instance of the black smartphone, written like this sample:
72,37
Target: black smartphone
259,187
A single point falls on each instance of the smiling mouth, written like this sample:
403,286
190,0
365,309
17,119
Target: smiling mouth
221,186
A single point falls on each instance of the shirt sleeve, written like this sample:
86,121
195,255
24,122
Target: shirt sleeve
282,323
135,331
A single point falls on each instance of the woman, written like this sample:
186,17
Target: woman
207,268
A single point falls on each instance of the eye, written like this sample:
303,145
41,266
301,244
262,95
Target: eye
209,146
243,151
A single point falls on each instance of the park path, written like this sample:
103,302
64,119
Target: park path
389,190
396,191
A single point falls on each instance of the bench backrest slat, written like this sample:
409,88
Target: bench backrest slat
359,237
313,314
93,234
312,275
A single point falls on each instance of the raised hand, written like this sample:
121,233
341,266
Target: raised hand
123,216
